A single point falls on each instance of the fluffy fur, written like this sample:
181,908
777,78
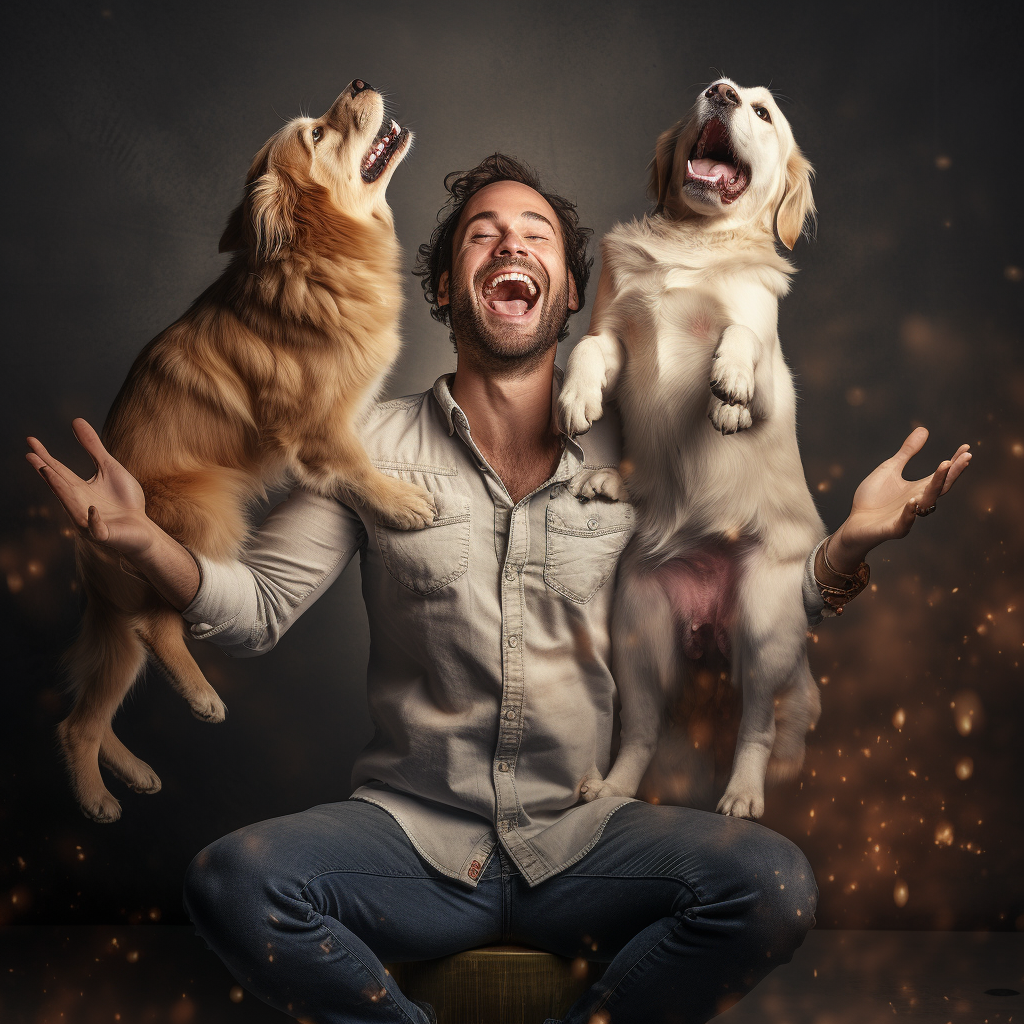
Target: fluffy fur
684,334
265,378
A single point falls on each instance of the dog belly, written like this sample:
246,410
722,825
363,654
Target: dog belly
701,587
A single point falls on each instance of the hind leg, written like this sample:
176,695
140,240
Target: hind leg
132,771
769,648
103,663
162,631
643,651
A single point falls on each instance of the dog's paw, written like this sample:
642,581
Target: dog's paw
598,483
729,419
741,804
731,382
594,788
580,402
407,507
208,707
102,808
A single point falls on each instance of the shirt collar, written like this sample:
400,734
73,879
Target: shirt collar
455,416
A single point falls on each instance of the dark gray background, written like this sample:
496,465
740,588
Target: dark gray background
127,134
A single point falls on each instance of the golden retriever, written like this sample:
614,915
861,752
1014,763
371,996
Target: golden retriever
265,378
685,335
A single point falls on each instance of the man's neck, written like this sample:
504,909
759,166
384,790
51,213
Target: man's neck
510,418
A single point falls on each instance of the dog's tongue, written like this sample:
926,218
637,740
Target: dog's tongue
707,167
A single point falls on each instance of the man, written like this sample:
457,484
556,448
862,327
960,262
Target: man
488,683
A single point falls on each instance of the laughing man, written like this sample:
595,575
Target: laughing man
488,682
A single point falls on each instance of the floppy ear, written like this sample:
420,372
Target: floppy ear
661,165
798,203
233,238
272,211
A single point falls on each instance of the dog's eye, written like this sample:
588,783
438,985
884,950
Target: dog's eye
762,113
318,134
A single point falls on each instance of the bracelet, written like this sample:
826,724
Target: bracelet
838,588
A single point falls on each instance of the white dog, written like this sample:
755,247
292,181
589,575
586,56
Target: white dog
685,334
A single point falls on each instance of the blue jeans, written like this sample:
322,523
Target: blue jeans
689,910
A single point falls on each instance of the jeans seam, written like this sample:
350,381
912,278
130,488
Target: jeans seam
359,960
607,995
648,878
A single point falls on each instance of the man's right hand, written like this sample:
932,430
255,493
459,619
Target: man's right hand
110,507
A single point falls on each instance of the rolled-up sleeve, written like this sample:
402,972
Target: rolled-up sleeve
246,606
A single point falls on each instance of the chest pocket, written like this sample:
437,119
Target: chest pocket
584,541
430,559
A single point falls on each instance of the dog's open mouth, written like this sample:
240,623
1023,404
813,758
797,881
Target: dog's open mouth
715,165
385,145
512,292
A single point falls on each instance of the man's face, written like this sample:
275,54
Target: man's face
509,289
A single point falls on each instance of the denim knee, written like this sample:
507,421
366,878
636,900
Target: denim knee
784,893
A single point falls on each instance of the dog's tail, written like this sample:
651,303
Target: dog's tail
796,711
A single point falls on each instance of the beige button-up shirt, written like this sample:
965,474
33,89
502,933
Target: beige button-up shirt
489,679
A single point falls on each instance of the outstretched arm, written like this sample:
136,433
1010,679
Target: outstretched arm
110,509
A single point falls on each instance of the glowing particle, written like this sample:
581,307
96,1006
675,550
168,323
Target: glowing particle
1012,273
237,994
943,163
964,768
944,834
900,893
133,957
855,396
899,718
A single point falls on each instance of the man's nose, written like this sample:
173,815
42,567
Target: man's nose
723,95
511,244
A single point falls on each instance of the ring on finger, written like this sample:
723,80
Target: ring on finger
918,511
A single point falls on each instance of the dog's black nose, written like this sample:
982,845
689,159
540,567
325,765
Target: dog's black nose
358,86
724,95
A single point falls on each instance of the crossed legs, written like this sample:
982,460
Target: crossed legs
689,909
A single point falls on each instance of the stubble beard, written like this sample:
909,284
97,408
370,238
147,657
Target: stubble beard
504,349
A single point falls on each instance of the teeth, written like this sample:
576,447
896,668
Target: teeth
494,282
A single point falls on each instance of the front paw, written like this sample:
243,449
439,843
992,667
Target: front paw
594,483
731,382
729,419
406,507
580,402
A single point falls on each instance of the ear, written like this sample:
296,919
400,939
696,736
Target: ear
442,290
574,295
233,238
272,199
661,166
798,203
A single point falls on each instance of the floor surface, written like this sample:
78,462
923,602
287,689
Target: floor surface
166,975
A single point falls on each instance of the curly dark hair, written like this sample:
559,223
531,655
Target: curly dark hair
435,256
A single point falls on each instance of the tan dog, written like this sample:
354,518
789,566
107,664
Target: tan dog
685,334
265,378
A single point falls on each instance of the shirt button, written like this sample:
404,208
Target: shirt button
591,524
513,641
510,715
510,576
502,766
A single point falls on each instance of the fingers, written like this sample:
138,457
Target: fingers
913,444
90,441
961,460
933,488
58,477
97,528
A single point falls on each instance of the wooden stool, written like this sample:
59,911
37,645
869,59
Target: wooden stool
497,985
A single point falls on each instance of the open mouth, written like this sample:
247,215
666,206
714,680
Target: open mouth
511,292
714,165
385,145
